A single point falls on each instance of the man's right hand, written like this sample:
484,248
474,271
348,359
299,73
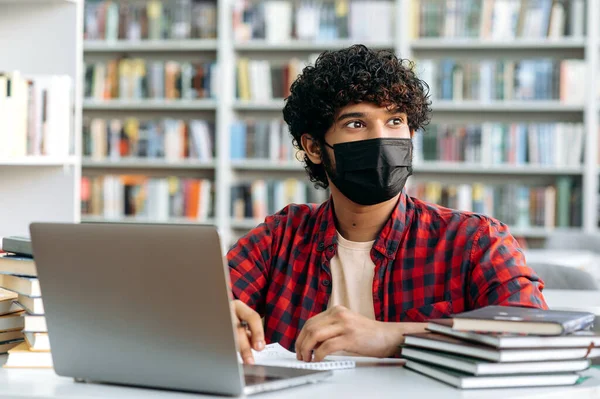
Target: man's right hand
251,338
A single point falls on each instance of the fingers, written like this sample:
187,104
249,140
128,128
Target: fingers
328,347
249,315
315,334
244,345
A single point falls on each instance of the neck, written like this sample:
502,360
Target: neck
360,223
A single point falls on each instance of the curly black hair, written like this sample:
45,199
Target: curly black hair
348,76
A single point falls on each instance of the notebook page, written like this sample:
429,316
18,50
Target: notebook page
276,355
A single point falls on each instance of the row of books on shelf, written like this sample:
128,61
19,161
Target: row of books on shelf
147,198
517,205
505,347
169,139
263,80
136,78
154,20
35,115
261,139
259,198
282,21
488,80
547,144
497,19
23,329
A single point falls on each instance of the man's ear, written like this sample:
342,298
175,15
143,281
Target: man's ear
311,148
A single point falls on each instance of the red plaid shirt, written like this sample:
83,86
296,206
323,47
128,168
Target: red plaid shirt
430,262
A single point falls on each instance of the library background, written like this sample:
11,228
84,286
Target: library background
170,110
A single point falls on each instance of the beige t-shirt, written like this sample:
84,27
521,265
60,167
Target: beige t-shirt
352,272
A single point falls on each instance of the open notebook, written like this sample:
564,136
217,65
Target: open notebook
277,355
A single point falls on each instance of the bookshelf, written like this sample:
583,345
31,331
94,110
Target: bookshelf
228,108
42,187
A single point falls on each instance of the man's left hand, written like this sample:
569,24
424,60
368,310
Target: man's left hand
339,329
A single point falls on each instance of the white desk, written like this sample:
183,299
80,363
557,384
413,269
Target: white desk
362,382
587,301
368,382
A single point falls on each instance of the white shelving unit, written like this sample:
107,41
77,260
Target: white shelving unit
229,107
150,46
42,37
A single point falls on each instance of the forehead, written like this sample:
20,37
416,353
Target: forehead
369,108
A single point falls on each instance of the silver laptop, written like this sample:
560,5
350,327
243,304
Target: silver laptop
145,305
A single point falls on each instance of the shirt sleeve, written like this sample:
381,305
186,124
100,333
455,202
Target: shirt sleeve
499,274
249,261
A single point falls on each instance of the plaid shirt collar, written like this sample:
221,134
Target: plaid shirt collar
388,239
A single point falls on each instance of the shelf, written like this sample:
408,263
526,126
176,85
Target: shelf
505,106
134,219
39,160
258,164
100,46
146,163
490,44
271,105
482,169
39,1
305,45
446,106
151,105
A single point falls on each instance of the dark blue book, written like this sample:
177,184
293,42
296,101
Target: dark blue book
17,245
519,320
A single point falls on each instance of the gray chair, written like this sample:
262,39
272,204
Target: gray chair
564,278
570,240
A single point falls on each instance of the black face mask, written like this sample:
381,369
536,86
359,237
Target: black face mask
371,171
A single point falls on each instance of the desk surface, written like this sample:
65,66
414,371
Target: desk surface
381,382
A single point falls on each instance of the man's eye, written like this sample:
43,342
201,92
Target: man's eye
355,124
397,121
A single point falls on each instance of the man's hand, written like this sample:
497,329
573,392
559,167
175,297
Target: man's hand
339,329
254,336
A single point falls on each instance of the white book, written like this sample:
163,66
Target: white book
35,323
21,356
31,304
307,21
486,72
4,119
274,140
576,147
276,355
486,142
205,199
577,15
37,341
20,100
58,125
278,20
465,197
266,81
557,21
503,19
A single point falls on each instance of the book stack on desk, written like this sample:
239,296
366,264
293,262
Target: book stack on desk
18,277
505,347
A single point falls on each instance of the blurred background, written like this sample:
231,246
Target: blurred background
177,106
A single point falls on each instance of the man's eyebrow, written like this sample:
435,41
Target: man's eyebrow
349,115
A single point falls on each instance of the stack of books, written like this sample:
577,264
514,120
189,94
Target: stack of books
22,324
505,347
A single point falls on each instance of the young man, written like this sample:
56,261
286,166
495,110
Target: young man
370,264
